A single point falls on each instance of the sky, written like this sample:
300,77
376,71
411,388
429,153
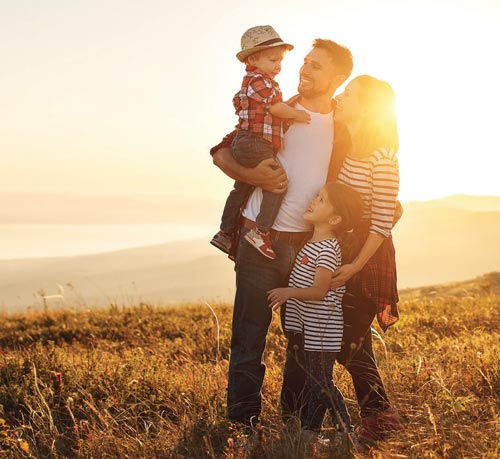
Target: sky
119,97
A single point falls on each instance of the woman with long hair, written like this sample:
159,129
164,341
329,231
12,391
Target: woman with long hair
367,109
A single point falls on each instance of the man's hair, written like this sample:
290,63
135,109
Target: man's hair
340,55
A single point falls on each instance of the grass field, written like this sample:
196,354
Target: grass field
150,382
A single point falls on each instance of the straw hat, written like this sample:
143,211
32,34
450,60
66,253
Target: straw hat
258,38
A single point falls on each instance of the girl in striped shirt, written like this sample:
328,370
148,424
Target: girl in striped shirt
313,309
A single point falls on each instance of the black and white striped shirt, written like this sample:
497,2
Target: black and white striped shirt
321,322
376,179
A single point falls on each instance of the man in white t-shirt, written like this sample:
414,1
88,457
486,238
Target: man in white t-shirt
307,162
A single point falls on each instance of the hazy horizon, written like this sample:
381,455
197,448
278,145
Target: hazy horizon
451,239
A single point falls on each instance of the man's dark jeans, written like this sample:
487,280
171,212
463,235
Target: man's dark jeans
356,355
255,275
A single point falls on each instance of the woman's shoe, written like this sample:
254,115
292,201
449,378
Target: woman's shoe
377,427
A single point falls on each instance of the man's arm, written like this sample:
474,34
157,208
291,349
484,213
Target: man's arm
266,174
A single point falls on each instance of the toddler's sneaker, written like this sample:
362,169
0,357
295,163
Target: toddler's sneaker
223,241
262,242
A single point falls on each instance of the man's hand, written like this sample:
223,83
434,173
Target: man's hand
267,174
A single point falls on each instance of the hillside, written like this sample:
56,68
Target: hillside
146,382
435,245
164,274
436,241
53,208
460,201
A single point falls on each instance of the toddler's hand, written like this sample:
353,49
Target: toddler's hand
302,117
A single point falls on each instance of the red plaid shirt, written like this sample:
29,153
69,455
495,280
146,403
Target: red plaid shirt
258,92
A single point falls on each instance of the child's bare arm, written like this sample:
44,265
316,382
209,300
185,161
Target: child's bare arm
282,110
317,291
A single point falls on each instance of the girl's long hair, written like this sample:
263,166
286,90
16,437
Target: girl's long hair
348,204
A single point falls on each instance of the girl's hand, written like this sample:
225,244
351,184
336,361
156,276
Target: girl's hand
342,275
278,296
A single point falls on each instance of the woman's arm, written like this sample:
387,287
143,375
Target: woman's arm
321,285
345,272
384,210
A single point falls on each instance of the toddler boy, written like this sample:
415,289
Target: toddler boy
261,111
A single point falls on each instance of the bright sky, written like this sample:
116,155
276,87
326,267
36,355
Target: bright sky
124,97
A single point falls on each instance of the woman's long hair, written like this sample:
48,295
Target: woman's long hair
379,127
348,204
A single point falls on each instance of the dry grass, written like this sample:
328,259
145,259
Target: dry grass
149,382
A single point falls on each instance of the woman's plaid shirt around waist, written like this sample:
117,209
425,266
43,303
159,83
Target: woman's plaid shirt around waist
258,92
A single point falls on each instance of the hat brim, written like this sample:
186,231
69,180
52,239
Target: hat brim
242,55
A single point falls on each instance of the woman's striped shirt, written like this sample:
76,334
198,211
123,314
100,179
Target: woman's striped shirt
321,322
376,179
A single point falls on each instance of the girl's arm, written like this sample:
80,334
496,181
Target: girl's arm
321,285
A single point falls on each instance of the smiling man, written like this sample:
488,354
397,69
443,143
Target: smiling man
312,154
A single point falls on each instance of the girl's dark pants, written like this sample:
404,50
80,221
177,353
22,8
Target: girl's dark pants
356,355
323,394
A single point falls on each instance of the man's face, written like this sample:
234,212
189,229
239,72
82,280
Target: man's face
317,75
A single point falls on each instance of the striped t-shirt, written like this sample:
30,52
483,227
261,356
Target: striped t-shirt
376,179
321,322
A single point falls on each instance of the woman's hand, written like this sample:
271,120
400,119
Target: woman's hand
342,275
278,296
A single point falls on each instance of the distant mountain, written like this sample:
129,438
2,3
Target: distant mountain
439,244
56,208
79,209
447,240
189,271
460,201
487,284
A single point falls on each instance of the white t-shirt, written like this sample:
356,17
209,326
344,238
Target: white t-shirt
305,159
